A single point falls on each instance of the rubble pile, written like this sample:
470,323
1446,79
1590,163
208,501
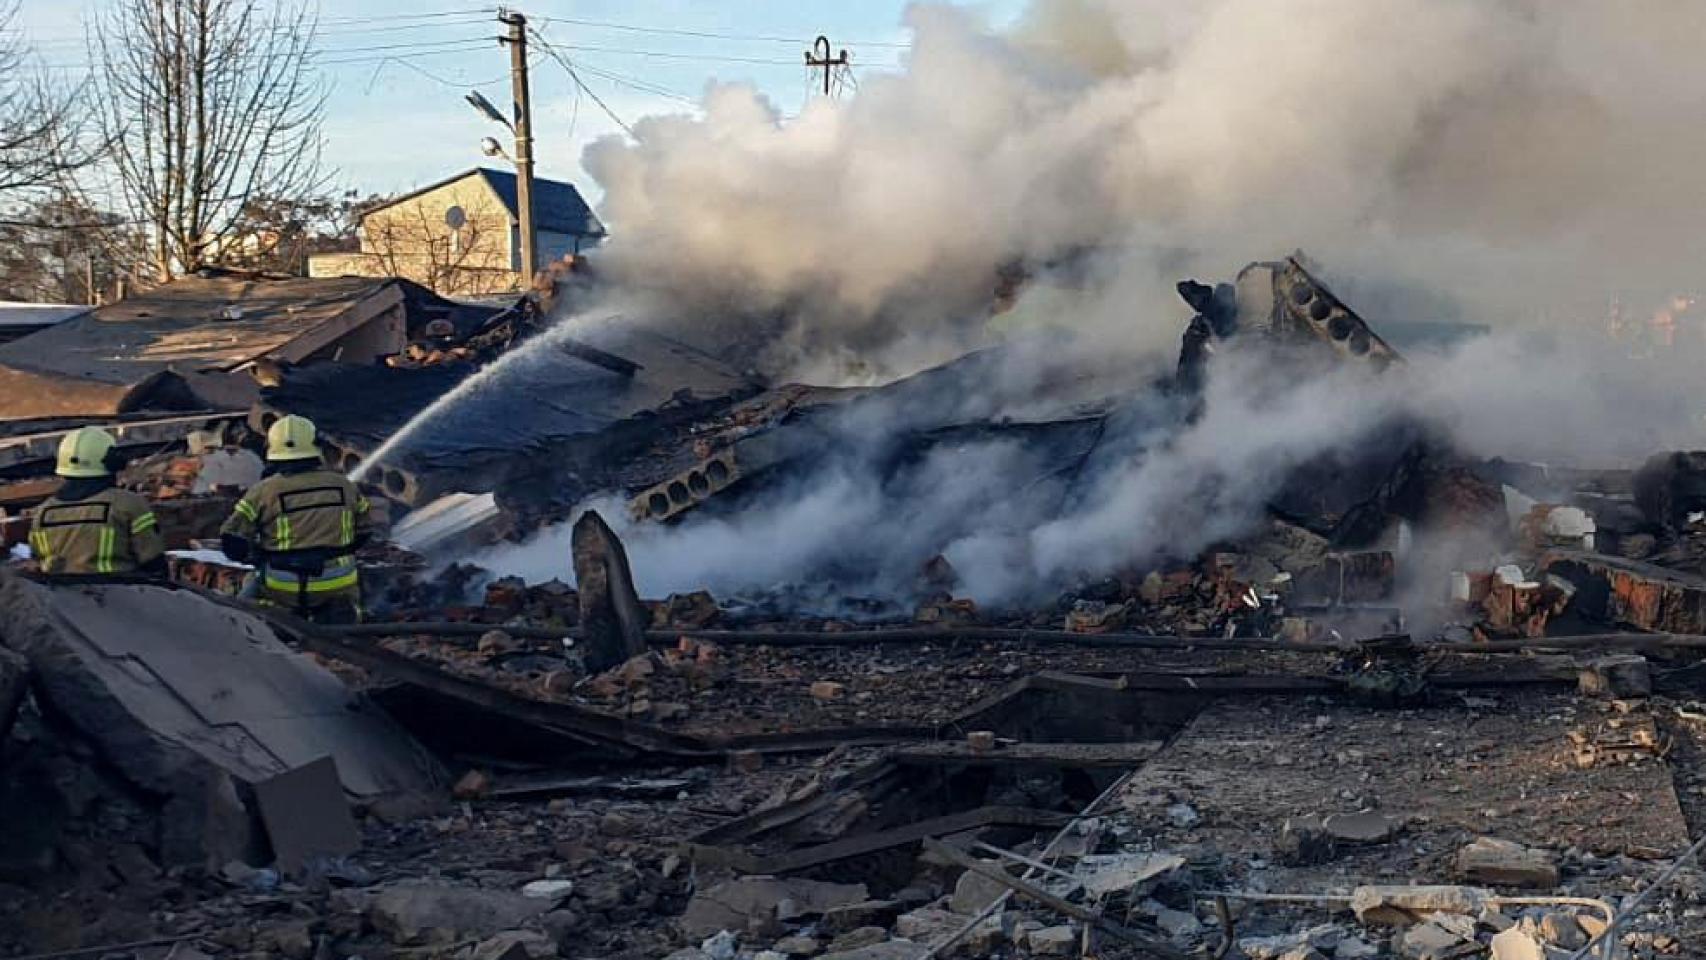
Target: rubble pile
1310,739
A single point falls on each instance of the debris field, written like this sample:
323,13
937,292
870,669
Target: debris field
1304,741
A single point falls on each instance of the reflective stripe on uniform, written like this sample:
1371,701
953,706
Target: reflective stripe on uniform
341,576
143,523
281,533
248,510
38,544
347,522
104,553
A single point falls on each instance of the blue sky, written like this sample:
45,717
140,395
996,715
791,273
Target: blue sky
396,118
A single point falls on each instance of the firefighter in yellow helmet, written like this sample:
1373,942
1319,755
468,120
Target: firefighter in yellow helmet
90,527
300,527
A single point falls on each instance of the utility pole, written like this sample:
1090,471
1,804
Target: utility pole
820,47
523,124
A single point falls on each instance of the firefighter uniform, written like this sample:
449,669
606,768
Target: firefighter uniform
91,527
300,526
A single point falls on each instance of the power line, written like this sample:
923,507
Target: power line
569,68
644,86
66,42
707,34
428,48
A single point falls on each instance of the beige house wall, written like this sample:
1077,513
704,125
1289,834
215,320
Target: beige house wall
412,240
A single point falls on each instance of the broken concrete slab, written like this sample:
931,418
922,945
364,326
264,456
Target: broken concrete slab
1503,863
307,815
194,702
1102,874
730,906
425,912
1400,905
613,622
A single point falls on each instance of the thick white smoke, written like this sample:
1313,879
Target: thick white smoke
1520,161
1527,155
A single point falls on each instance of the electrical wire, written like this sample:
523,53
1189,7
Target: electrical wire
568,67
644,86
712,35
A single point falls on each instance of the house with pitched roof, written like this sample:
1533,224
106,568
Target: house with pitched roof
461,236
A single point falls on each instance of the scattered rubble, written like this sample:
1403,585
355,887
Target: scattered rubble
1282,745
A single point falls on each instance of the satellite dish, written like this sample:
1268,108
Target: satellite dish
455,218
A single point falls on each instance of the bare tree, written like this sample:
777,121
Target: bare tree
207,104
41,137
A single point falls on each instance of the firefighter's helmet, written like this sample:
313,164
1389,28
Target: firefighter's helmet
84,453
292,438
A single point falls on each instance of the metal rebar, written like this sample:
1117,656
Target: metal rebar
1609,934
1001,901
1027,861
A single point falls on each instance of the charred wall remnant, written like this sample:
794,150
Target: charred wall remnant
611,618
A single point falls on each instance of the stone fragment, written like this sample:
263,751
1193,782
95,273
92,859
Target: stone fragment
1059,941
1325,937
688,953
797,946
722,945
1505,864
494,643
515,945
1562,930
731,905
1123,872
827,690
868,913
1355,948
1516,944
473,785
982,741
1431,941
293,940
1178,924
746,761
974,891
1183,815
927,924
885,950
439,913
1399,905
987,936
1366,827
1304,952
857,939
552,890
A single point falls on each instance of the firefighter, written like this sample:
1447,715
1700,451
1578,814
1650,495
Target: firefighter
90,527
300,527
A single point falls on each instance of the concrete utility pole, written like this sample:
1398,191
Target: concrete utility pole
523,124
823,60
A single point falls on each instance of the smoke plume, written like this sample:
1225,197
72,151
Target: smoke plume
1515,163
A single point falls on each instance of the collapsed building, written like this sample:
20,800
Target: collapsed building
1262,741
